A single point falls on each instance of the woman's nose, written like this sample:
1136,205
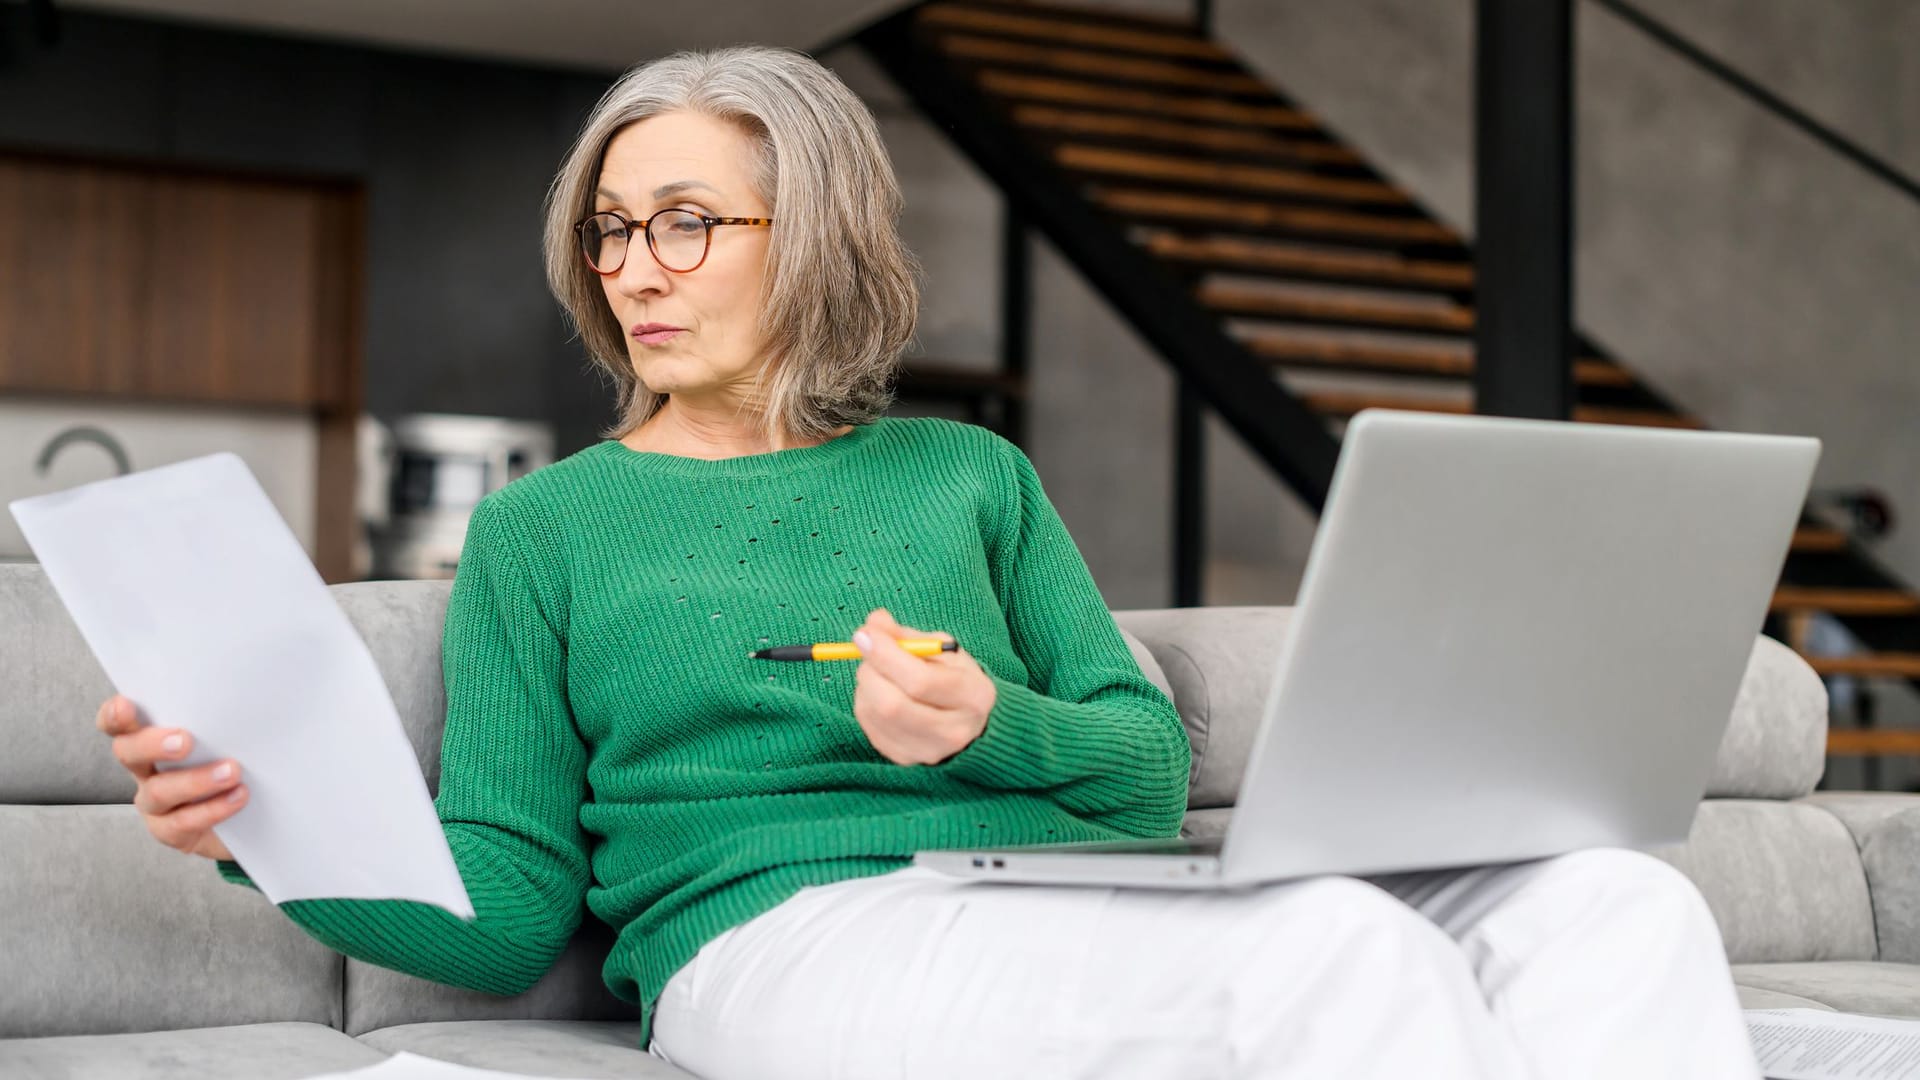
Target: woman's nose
641,273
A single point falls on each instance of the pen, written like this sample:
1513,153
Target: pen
846,650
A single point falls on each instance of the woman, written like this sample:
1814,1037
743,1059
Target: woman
747,825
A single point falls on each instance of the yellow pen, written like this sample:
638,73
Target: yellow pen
847,650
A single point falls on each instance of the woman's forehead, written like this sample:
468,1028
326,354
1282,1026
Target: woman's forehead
675,154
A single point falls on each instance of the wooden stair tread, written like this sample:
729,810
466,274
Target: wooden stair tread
1345,403
1100,65
1845,601
1136,164
1228,140
1868,665
1239,213
1359,311
1235,255
1872,742
1819,539
1068,92
1067,31
1285,351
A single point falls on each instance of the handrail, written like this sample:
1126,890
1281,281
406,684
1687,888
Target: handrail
1772,102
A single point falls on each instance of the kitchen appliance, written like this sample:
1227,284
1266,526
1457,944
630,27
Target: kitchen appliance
442,466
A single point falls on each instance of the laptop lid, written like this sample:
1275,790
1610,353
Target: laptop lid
1515,638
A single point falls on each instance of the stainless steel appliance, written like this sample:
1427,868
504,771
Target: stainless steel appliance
443,465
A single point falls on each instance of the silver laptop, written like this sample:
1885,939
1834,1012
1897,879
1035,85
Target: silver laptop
1514,639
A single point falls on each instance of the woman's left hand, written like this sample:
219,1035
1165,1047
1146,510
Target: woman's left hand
917,710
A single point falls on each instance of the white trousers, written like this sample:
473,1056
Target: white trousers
1600,963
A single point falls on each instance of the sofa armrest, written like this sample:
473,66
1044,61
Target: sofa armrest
1886,828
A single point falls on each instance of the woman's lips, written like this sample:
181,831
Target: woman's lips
655,337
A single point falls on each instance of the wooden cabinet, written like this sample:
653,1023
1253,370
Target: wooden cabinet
157,284
166,286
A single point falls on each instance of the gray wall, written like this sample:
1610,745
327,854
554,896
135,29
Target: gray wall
455,157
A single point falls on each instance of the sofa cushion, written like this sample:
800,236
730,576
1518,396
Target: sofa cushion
1149,666
1775,746
573,989
51,685
583,1049
1876,988
1206,824
50,688
1753,998
1886,826
401,622
255,1051
107,931
1220,662
1783,880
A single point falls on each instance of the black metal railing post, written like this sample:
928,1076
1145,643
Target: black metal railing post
1016,307
1189,497
1523,208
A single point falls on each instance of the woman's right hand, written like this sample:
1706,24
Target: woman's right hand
180,806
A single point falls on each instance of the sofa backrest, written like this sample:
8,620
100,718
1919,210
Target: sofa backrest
1220,663
105,930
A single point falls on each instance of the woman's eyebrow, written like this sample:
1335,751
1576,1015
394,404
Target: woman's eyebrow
661,192
681,185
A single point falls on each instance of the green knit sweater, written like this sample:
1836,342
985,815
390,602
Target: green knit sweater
609,742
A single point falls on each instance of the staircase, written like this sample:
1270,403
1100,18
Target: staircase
1285,281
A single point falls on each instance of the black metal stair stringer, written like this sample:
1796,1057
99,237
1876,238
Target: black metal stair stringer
1277,426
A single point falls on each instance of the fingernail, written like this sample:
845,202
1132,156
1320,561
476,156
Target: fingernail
236,794
861,639
172,743
222,772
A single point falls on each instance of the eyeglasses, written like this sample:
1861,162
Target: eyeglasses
678,239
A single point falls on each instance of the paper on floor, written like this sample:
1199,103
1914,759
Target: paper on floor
405,1066
203,609
1813,1044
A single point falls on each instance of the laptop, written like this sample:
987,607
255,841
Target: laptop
1513,639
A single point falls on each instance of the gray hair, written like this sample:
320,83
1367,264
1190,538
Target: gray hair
842,296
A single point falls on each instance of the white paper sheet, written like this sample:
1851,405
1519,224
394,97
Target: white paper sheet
1813,1044
405,1066
203,609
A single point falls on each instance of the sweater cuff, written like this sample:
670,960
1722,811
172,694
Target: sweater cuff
1021,745
231,871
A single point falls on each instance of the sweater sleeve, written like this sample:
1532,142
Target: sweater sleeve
1087,728
512,781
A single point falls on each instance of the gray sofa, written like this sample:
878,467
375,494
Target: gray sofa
124,959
